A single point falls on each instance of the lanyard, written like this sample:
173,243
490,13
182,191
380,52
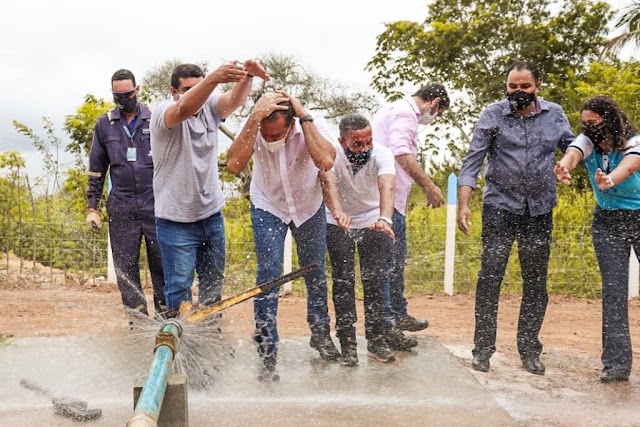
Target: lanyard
128,131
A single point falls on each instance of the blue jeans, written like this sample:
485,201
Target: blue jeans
192,247
500,228
269,233
614,233
393,293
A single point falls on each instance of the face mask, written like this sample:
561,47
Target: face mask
127,105
595,133
275,146
428,118
357,160
520,100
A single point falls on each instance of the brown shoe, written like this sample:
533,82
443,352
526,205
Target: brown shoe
399,341
411,324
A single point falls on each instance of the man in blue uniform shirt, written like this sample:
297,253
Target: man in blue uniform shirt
121,145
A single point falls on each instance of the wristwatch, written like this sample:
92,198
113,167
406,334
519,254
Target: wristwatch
386,219
307,118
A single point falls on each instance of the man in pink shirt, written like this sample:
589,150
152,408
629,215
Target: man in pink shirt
289,148
396,126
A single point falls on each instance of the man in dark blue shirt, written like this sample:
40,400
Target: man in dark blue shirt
518,136
121,145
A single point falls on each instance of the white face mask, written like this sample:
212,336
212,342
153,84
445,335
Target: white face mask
428,118
274,146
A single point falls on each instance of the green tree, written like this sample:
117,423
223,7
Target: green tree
330,97
12,166
79,126
49,148
629,23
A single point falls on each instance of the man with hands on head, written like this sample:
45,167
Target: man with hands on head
289,148
188,196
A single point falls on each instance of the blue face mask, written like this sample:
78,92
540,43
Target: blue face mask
357,160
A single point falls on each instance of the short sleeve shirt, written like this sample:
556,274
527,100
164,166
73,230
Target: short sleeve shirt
396,126
624,195
286,183
185,159
358,193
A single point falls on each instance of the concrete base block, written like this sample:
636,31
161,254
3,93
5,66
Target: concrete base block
175,408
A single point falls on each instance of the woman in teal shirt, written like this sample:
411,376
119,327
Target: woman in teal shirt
610,148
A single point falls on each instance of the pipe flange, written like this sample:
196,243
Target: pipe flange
164,338
172,322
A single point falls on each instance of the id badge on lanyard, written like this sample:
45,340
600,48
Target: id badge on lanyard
131,154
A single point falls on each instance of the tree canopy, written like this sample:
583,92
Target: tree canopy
469,44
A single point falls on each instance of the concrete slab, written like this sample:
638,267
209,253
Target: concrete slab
427,387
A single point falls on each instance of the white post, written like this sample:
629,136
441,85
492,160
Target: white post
111,270
634,275
288,261
450,242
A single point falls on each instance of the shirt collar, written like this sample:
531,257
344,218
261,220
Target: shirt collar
143,113
414,105
541,105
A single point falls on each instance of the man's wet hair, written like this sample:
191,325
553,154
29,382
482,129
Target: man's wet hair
352,122
287,114
431,91
123,74
185,71
525,65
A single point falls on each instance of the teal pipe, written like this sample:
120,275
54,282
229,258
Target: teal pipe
149,403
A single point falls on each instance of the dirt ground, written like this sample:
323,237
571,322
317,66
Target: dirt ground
40,303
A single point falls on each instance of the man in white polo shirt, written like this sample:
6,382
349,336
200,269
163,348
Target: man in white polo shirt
289,148
359,194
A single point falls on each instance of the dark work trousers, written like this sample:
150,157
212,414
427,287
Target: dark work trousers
374,251
614,233
125,233
533,233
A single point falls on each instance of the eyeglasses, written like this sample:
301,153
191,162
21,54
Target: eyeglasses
126,94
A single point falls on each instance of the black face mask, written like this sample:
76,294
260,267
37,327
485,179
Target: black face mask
358,160
520,100
127,105
595,133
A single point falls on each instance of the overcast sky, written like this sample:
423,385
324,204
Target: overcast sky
54,52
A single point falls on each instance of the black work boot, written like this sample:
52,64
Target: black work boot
380,350
411,324
349,349
480,363
611,375
325,346
533,364
268,372
399,341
